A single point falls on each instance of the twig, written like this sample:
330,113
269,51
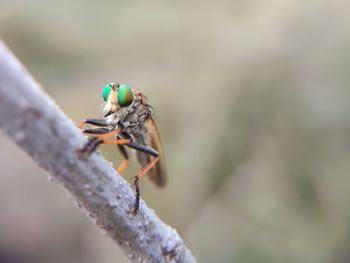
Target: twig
34,122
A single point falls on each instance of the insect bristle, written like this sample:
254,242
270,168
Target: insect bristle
102,105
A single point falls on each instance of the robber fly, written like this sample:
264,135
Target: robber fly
128,122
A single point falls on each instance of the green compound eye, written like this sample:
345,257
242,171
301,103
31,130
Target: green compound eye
125,95
106,90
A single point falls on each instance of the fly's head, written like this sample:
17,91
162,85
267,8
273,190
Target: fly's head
116,97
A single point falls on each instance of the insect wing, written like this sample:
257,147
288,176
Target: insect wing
158,172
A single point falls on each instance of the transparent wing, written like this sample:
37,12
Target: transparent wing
158,172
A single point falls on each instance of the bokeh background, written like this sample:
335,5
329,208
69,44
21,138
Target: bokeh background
252,101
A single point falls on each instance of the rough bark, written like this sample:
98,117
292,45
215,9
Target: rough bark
36,124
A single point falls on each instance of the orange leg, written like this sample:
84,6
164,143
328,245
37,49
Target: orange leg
82,124
125,162
98,139
138,176
96,122
145,169
107,135
122,166
117,141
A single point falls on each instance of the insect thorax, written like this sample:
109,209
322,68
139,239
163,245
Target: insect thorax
130,119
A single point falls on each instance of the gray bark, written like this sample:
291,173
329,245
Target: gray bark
36,124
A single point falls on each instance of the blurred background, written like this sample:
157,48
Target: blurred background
252,102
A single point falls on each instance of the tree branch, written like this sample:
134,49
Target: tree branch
34,122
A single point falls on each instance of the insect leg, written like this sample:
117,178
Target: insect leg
109,134
100,138
100,135
89,147
143,148
138,176
96,130
96,122
143,171
125,162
